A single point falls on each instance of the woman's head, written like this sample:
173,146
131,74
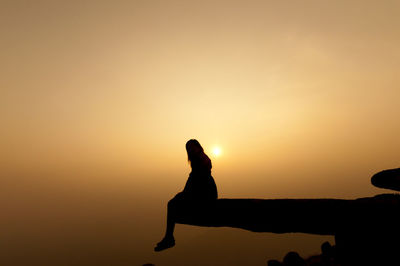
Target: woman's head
196,156
194,149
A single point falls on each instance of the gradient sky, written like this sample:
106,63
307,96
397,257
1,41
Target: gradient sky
100,97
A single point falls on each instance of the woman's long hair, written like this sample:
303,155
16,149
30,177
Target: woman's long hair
196,154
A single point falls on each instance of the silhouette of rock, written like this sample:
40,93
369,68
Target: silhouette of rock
364,228
328,254
326,249
274,263
389,179
293,259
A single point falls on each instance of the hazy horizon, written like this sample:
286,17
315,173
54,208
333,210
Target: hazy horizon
98,99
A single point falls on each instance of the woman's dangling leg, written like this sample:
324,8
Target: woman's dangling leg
169,232
168,240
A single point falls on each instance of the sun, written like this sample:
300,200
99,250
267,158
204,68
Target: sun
216,151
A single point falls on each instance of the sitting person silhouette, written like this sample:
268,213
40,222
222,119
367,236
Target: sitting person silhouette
200,191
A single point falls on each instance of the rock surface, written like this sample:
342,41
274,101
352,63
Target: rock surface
366,230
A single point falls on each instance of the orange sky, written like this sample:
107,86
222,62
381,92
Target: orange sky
302,97
273,84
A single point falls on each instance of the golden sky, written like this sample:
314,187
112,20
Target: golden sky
313,85
302,97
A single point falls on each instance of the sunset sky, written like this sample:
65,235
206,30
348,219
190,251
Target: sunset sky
98,99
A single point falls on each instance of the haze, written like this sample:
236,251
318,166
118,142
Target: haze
98,99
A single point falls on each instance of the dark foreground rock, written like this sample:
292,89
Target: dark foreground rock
326,258
366,230
389,179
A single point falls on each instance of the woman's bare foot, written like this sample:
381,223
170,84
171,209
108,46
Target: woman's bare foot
167,242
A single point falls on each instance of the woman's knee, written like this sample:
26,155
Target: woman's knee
170,203
176,201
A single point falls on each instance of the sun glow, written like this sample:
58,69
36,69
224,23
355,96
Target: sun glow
216,151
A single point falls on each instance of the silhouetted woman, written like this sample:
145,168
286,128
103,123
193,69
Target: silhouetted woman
200,191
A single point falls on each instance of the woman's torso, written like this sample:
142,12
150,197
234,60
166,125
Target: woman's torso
200,184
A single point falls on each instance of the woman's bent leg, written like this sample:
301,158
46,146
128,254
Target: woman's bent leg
171,212
168,240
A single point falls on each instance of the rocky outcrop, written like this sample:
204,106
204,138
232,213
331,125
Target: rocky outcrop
389,179
364,228
313,216
326,258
